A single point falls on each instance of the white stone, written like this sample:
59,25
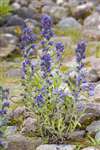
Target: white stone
56,147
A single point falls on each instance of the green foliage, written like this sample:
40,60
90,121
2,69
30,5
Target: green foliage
5,8
92,141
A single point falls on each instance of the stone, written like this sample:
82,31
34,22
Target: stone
25,13
95,64
11,130
87,118
20,142
93,127
69,22
46,9
15,20
17,112
35,4
15,6
91,148
56,147
23,2
12,73
92,76
97,136
82,11
97,93
76,135
58,12
91,28
93,108
29,126
8,44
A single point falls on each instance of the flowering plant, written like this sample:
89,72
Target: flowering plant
49,93
4,103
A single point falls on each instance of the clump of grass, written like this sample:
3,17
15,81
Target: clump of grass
5,8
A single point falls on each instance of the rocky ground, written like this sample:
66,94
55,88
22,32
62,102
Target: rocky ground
73,20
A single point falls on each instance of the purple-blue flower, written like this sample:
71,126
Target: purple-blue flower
46,24
46,64
91,89
39,100
59,49
2,112
80,54
5,104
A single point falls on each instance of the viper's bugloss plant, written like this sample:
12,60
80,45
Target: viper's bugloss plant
49,93
4,105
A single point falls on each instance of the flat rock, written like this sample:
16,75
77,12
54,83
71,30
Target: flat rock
58,12
97,136
8,44
76,135
20,142
95,64
56,147
97,93
91,27
91,148
93,127
29,125
69,22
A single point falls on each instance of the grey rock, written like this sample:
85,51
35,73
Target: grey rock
35,4
20,142
91,148
76,2
93,108
97,93
17,112
77,135
87,118
11,130
95,64
97,136
16,6
93,76
8,44
58,12
69,22
82,11
25,12
46,9
93,127
23,2
13,73
29,126
15,20
56,147
91,28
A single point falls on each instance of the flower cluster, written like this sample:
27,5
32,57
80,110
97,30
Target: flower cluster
4,103
46,23
59,49
27,46
39,100
46,64
80,53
